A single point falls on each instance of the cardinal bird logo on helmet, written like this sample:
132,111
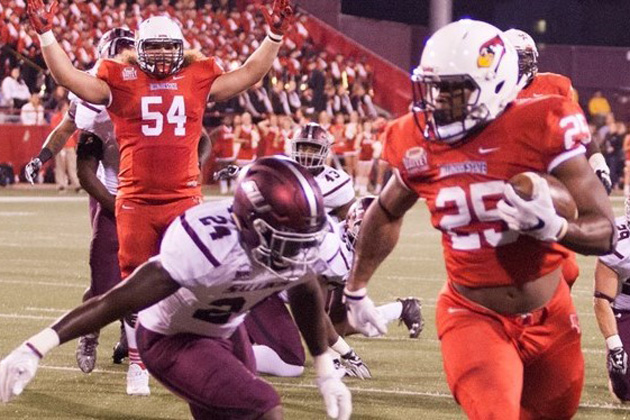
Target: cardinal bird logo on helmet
490,51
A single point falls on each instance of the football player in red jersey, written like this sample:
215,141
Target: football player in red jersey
538,84
509,332
156,99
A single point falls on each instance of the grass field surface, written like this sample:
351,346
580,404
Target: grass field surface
44,239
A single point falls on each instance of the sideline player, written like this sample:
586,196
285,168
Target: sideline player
510,336
217,261
612,307
156,99
97,150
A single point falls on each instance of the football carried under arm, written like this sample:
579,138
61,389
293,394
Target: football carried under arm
258,64
147,285
85,86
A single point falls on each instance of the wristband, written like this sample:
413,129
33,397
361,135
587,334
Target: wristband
324,366
45,155
274,37
598,162
355,295
341,346
43,342
46,39
614,342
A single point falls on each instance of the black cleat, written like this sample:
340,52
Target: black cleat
411,316
121,350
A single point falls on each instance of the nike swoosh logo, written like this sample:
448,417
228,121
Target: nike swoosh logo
485,151
126,207
177,77
538,225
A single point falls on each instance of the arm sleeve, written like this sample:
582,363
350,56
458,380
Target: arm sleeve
565,132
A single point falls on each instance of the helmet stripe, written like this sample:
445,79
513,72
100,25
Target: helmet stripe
308,192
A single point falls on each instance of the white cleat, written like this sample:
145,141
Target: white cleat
137,381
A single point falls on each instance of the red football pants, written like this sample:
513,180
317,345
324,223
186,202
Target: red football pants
141,226
526,366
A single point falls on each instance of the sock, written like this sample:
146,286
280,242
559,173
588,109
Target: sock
391,311
341,346
268,361
134,356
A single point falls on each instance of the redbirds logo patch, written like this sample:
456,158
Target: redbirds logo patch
490,52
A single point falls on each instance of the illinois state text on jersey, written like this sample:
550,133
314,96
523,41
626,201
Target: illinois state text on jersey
158,125
462,185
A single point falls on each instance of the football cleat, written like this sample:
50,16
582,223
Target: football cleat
121,350
138,381
86,352
354,366
411,316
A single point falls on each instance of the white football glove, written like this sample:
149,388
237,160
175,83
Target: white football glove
537,217
336,397
16,371
31,169
363,316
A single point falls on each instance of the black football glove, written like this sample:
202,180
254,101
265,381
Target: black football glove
229,172
604,177
617,361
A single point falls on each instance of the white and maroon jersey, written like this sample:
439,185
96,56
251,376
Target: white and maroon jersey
219,283
336,186
619,262
95,119
463,183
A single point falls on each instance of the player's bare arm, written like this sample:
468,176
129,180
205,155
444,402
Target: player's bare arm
87,165
85,86
593,233
380,231
307,306
149,284
258,64
606,286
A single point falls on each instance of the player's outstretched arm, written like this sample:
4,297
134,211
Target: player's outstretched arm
53,144
378,236
85,86
307,306
606,283
258,64
593,233
149,284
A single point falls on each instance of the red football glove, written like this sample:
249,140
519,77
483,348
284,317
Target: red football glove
41,20
280,18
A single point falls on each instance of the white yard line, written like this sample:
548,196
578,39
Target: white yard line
43,283
288,385
80,198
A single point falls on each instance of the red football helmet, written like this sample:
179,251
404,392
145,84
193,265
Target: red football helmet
310,146
355,217
279,211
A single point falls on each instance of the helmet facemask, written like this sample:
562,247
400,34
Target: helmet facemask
287,254
527,64
160,57
450,105
309,154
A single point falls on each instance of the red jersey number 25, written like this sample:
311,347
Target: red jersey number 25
176,115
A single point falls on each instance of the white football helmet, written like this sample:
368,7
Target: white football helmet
115,41
527,52
160,46
467,75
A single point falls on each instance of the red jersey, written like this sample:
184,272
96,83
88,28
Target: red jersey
224,143
462,185
247,151
548,84
366,149
158,125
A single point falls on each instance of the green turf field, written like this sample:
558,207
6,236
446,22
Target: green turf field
43,271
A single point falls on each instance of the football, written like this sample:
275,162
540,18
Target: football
563,202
